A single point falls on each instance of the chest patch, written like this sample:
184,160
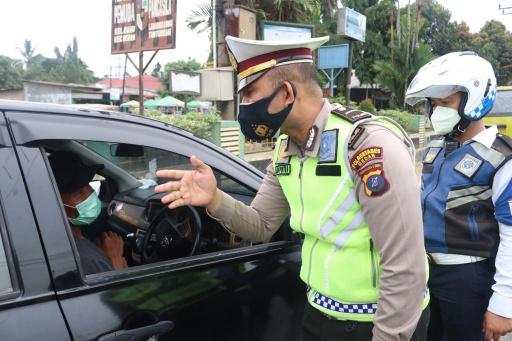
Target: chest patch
282,168
431,154
281,156
328,147
363,157
468,166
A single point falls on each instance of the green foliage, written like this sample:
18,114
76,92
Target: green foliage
66,67
367,105
341,100
199,124
401,117
11,73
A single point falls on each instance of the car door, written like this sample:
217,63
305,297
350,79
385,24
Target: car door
28,304
251,293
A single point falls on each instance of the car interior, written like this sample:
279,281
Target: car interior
151,231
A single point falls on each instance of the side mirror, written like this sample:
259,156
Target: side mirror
126,150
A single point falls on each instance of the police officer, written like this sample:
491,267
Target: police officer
467,201
348,181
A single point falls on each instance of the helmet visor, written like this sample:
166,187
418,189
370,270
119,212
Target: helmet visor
434,91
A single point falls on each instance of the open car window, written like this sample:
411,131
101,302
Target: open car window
142,162
151,232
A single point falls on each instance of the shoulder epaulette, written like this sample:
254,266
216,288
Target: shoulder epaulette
349,114
503,144
505,140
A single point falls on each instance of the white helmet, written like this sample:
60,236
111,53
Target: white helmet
453,72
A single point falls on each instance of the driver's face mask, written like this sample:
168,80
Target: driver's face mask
88,210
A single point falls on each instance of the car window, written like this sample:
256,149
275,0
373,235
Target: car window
5,277
129,207
142,162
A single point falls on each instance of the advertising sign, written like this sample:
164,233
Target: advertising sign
143,25
333,57
185,82
286,31
351,24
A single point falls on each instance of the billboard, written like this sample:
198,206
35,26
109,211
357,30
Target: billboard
143,25
185,82
333,56
351,24
286,31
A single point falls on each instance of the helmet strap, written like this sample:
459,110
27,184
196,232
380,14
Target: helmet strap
464,122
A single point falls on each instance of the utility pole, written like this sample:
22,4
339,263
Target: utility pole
503,9
214,32
349,71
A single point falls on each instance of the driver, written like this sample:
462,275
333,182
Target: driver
83,207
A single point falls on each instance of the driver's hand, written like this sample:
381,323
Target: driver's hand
112,246
197,187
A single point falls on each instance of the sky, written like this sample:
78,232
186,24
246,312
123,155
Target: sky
51,23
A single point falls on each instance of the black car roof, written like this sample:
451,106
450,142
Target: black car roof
51,108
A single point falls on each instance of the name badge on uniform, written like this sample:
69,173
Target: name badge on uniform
468,166
328,147
282,165
431,154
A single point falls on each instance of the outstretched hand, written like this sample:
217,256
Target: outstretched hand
196,187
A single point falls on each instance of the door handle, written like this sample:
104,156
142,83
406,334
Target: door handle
139,334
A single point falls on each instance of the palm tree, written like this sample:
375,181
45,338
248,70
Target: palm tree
28,52
407,57
201,20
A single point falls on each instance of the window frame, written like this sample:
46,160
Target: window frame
32,127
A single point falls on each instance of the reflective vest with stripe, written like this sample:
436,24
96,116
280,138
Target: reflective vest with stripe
340,263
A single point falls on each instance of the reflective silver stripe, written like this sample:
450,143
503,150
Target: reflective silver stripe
490,155
340,212
342,238
466,191
464,200
331,202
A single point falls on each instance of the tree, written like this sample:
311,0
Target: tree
156,70
28,52
200,20
406,59
11,73
64,68
494,43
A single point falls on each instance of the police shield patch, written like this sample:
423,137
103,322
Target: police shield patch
431,155
375,183
468,166
328,146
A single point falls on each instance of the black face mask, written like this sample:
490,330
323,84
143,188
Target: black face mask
257,123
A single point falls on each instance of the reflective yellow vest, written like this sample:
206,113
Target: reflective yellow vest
340,263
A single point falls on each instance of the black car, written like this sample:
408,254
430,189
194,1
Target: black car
188,278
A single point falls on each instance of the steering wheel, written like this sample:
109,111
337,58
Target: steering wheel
177,234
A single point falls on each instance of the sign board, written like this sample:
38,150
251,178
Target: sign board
351,24
143,25
217,84
115,94
185,82
333,57
273,30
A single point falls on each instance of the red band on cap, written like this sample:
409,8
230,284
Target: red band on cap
242,66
